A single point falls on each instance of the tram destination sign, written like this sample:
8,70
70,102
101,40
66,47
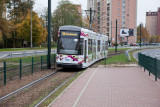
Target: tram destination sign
69,34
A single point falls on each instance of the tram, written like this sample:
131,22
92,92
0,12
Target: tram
79,47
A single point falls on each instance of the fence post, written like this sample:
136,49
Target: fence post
54,60
32,65
139,59
20,74
41,62
4,73
155,65
105,60
11,55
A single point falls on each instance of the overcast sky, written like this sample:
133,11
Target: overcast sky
143,7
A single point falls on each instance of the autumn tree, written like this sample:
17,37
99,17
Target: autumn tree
144,34
154,39
38,32
17,10
65,14
4,24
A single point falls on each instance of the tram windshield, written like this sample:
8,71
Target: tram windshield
68,43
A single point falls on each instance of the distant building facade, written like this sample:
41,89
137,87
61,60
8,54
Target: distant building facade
125,11
153,22
98,16
79,9
93,5
158,21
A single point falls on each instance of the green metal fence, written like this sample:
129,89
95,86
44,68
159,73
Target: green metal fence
16,68
152,65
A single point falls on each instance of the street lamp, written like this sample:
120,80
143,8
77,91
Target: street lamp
91,18
31,24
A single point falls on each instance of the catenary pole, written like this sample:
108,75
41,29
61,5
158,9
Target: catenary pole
31,25
49,35
140,35
116,37
90,22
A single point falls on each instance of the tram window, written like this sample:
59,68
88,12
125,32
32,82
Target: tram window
68,43
81,46
89,46
99,45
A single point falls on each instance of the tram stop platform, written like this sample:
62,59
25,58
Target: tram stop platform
111,87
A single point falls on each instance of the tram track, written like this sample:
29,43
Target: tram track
37,90
42,100
26,86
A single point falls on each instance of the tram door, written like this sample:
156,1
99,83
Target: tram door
85,51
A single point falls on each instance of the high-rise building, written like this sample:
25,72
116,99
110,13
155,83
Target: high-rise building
93,5
158,20
125,11
98,15
79,8
153,22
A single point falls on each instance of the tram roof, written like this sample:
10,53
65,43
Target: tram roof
71,28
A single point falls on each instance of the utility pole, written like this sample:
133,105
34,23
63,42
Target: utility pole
90,21
91,15
49,35
31,25
140,35
116,37
111,32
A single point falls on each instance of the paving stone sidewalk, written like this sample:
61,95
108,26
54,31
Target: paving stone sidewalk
111,87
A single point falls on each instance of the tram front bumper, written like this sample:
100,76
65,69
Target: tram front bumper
69,65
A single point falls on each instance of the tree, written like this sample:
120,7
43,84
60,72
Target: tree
154,39
144,34
17,11
39,33
65,14
4,24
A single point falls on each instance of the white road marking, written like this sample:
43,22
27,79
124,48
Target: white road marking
84,88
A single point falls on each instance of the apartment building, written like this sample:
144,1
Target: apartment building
98,16
93,5
79,7
158,21
125,11
153,22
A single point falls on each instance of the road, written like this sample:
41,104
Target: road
23,53
155,53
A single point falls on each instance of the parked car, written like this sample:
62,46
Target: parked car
133,44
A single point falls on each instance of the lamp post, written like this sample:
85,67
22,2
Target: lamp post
31,24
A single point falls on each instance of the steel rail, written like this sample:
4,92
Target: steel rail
27,86
55,90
